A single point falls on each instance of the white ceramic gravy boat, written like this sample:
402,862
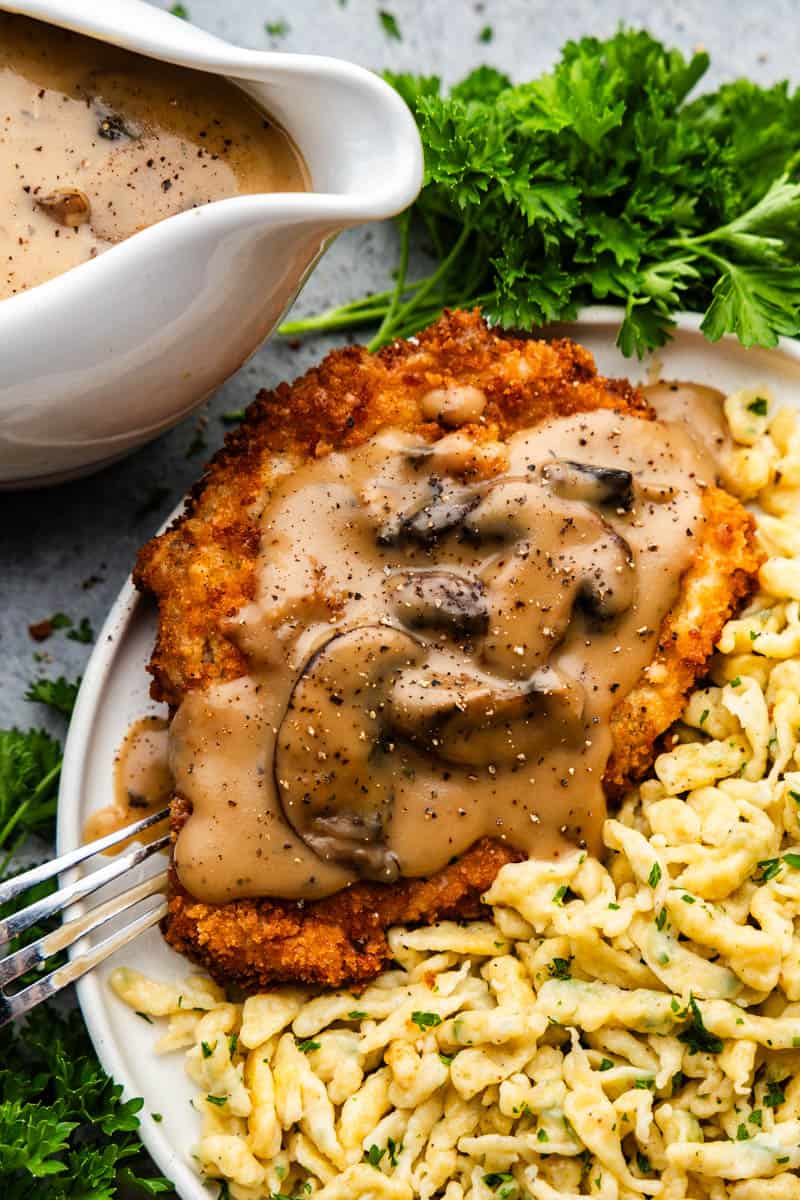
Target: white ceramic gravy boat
102,358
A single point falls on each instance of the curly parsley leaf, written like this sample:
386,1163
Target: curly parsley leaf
63,1120
600,181
59,694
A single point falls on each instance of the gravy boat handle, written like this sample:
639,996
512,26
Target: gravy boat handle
355,133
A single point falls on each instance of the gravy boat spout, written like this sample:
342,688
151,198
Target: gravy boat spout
102,358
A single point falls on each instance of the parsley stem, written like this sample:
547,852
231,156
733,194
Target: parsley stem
36,795
368,308
404,222
424,290
332,319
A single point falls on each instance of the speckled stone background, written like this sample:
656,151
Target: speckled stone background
70,548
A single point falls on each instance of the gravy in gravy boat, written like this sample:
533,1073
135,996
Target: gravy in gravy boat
97,143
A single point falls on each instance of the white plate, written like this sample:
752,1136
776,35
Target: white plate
115,692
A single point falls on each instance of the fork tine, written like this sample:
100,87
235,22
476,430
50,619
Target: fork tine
26,999
48,906
21,883
37,952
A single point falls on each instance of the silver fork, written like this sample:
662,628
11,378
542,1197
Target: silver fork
37,952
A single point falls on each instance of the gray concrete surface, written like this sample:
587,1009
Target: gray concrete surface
70,548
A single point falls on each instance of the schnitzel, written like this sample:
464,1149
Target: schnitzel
204,570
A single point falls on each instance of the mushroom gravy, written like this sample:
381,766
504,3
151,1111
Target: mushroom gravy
97,143
142,783
434,659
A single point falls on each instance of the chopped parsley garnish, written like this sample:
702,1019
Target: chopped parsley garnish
277,29
559,894
486,35
180,10
768,868
704,716
696,1036
687,899
654,878
389,24
503,1182
394,1149
737,682
217,1100
82,632
207,1050
661,919
774,1094
307,1046
759,406
426,1020
559,968
742,1133
605,1064
374,1155
643,1163
356,1015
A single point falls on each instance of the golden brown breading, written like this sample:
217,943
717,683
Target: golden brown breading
341,939
203,569
721,576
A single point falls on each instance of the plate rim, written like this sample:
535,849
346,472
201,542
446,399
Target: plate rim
168,1158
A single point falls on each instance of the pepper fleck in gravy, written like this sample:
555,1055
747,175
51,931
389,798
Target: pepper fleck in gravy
431,659
97,143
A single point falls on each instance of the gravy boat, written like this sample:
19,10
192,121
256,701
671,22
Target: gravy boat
99,360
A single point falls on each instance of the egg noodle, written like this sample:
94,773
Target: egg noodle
618,1029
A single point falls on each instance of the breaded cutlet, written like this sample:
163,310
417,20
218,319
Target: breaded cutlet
203,569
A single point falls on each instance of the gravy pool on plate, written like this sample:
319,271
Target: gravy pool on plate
97,143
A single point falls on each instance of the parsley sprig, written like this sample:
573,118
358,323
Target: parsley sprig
600,181
63,1120
65,1131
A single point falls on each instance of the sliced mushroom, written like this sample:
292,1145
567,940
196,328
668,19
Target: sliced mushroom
66,206
607,588
606,487
468,720
441,600
335,770
442,514
565,556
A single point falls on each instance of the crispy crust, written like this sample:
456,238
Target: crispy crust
203,569
343,938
